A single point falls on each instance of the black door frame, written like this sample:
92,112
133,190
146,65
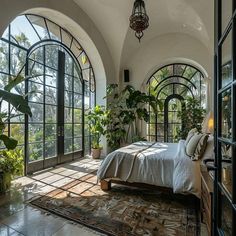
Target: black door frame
221,194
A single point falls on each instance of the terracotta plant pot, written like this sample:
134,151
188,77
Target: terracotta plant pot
96,152
5,182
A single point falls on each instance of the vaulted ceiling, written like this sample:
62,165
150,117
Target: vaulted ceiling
111,17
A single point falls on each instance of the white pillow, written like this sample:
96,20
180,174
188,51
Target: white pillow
209,152
196,146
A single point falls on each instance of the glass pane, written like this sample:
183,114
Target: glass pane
68,99
39,25
160,129
50,149
77,144
37,55
3,80
51,77
152,129
50,132
19,35
36,72
50,114
35,133
86,74
226,114
226,173
87,145
50,95
226,216
76,48
86,130
17,131
54,30
77,130
18,58
226,72
68,115
4,57
77,116
77,100
68,64
68,146
68,132
35,92
66,38
51,56
37,111
17,117
35,151
77,85
226,13
68,82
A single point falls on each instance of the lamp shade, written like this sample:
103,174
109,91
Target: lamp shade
208,123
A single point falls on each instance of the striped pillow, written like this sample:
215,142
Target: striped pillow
196,146
190,135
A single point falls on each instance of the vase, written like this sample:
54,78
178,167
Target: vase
5,182
96,152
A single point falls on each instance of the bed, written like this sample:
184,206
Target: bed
159,164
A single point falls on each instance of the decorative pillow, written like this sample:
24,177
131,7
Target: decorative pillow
196,146
190,135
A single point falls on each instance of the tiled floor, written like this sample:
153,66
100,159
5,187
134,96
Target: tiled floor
19,218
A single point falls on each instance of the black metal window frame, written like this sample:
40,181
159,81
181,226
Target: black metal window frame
225,194
182,81
72,47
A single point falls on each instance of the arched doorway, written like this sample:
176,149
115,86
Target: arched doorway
60,88
172,123
171,85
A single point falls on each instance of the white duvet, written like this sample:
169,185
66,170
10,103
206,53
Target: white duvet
160,164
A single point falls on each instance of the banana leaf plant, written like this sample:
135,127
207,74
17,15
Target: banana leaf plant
18,103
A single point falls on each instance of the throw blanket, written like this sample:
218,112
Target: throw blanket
160,164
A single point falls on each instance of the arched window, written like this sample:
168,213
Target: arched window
171,85
60,88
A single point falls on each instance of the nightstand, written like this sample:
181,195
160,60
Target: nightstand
206,198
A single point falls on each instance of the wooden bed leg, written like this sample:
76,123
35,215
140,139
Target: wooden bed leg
105,185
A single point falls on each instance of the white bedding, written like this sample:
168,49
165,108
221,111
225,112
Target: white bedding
160,164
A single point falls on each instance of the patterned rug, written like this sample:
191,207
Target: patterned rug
124,210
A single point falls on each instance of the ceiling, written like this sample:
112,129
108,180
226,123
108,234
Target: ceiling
111,17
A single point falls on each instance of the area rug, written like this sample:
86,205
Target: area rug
124,211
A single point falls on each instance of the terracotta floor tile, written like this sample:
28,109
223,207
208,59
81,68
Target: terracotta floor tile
81,187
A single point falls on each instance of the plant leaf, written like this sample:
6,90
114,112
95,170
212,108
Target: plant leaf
10,143
17,101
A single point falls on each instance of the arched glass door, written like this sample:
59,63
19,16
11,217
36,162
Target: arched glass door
60,87
171,85
172,123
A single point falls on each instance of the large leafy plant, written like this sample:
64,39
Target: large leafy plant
191,115
126,109
96,120
18,103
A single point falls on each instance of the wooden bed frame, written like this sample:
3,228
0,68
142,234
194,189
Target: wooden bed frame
106,185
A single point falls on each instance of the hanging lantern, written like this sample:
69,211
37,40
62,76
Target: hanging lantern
139,20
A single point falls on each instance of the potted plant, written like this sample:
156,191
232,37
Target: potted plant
96,120
11,164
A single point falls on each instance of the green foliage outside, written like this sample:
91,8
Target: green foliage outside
192,117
